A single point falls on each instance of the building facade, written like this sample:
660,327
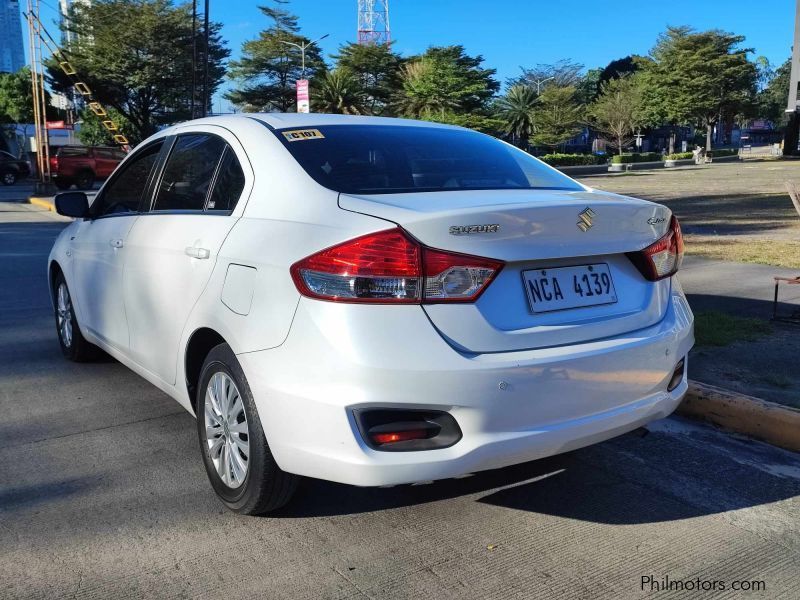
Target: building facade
12,55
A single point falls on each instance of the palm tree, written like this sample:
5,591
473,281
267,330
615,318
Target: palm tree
517,109
340,92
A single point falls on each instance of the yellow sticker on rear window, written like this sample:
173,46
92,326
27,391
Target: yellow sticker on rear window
295,135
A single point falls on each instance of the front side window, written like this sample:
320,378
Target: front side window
189,172
386,159
124,192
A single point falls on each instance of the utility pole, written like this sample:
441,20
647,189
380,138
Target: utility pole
302,83
194,60
39,98
790,138
205,65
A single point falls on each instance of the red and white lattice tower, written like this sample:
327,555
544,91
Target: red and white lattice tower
373,22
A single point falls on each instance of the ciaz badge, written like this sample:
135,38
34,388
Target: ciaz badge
468,229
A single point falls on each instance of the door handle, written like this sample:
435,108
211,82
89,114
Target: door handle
196,252
115,243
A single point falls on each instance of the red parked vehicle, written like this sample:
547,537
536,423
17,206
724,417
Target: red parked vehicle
83,165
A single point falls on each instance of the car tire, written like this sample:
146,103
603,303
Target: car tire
237,457
8,178
62,184
73,345
84,180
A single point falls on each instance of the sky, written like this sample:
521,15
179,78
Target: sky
514,33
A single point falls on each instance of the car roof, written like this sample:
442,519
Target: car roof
285,120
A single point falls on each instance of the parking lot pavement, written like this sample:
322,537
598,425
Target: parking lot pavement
18,192
103,495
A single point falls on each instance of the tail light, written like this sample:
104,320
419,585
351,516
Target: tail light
663,257
391,267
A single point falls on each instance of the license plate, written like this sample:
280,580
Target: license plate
562,288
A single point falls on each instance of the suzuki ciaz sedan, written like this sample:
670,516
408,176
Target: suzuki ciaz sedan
372,301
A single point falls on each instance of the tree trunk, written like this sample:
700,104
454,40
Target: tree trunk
709,128
671,142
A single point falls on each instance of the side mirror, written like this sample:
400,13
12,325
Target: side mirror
72,204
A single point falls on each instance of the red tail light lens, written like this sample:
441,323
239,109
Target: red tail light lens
663,257
391,267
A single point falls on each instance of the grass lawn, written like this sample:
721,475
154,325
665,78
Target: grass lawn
737,212
778,253
714,328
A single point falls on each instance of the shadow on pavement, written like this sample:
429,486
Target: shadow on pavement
609,483
748,307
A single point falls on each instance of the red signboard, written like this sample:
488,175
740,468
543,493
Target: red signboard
58,125
302,96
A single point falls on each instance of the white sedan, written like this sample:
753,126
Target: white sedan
372,301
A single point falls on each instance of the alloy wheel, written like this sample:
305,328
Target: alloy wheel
9,178
64,314
227,434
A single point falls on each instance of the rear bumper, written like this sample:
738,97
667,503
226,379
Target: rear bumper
512,407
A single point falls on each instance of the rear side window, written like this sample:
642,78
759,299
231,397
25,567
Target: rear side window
228,185
108,153
386,159
189,172
124,192
72,151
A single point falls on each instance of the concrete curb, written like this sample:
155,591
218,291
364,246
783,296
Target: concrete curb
766,421
42,203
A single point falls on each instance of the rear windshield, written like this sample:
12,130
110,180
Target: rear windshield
387,159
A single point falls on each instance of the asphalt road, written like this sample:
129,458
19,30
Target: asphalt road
103,495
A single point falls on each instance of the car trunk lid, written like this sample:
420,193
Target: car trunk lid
533,231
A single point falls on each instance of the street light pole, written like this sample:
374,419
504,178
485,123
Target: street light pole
302,46
539,83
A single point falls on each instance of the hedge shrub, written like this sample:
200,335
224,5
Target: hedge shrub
573,160
637,158
680,156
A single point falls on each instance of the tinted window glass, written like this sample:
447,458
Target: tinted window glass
383,159
229,184
188,172
125,191
73,151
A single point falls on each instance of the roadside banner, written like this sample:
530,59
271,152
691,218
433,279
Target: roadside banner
302,96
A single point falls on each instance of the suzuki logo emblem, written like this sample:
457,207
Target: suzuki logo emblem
586,219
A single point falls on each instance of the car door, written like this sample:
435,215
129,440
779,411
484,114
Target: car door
99,249
174,246
104,162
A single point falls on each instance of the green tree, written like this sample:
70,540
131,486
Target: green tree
558,116
589,86
445,79
771,100
377,68
136,57
618,111
92,132
339,91
694,78
16,97
269,67
517,110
